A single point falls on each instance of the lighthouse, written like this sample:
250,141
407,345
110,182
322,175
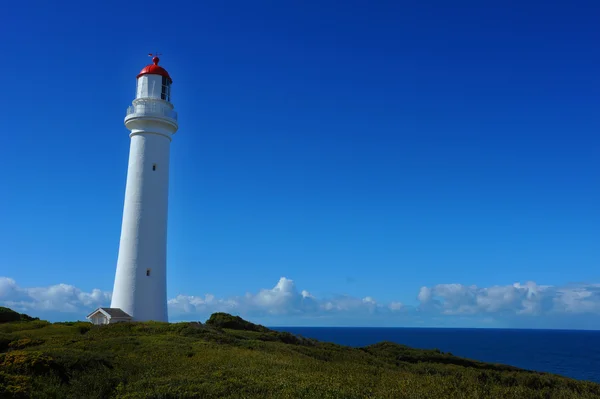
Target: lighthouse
140,286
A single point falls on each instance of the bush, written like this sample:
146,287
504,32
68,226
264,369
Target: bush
30,363
14,386
225,320
5,340
83,328
24,343
8,315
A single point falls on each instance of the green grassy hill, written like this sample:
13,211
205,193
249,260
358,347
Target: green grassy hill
228,357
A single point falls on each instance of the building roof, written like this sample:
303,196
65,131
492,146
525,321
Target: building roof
115,312
112,312
154,69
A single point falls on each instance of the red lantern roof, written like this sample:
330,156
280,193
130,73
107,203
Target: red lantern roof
154,69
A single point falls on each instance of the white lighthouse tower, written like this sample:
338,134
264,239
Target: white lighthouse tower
140,288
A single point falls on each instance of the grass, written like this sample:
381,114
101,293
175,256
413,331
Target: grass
228,357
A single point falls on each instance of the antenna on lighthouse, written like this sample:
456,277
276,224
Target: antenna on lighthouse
155,58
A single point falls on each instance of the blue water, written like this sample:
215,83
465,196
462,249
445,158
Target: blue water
574,354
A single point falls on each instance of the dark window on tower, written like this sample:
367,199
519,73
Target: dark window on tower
154,167
148,272
165,89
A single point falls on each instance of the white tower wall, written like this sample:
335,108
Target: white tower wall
140,287
141,279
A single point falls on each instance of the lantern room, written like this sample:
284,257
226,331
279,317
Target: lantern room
154,82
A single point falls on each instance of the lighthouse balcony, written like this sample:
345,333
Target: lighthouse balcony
151,109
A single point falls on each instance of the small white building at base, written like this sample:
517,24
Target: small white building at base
102,316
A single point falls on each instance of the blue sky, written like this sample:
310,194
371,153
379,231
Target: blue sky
402,163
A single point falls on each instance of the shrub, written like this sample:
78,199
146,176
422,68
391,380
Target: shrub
5,340
29,363
14,386
225,320
83,328
8,315
24,343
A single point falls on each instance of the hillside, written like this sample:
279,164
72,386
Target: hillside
8,315
228,357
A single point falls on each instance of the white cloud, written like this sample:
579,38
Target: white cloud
424,294
306,294
281,300
582,299
60,297
369,300
8,287
518,299
196,304
284,301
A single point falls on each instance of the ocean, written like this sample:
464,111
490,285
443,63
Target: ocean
570,353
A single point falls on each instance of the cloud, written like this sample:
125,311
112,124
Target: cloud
349,305
424,294
60,297
517,299
520,304
8,287
283,299
196,304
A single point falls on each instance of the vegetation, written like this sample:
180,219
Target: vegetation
225,320
8,315
228,357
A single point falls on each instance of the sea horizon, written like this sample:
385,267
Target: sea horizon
429,328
